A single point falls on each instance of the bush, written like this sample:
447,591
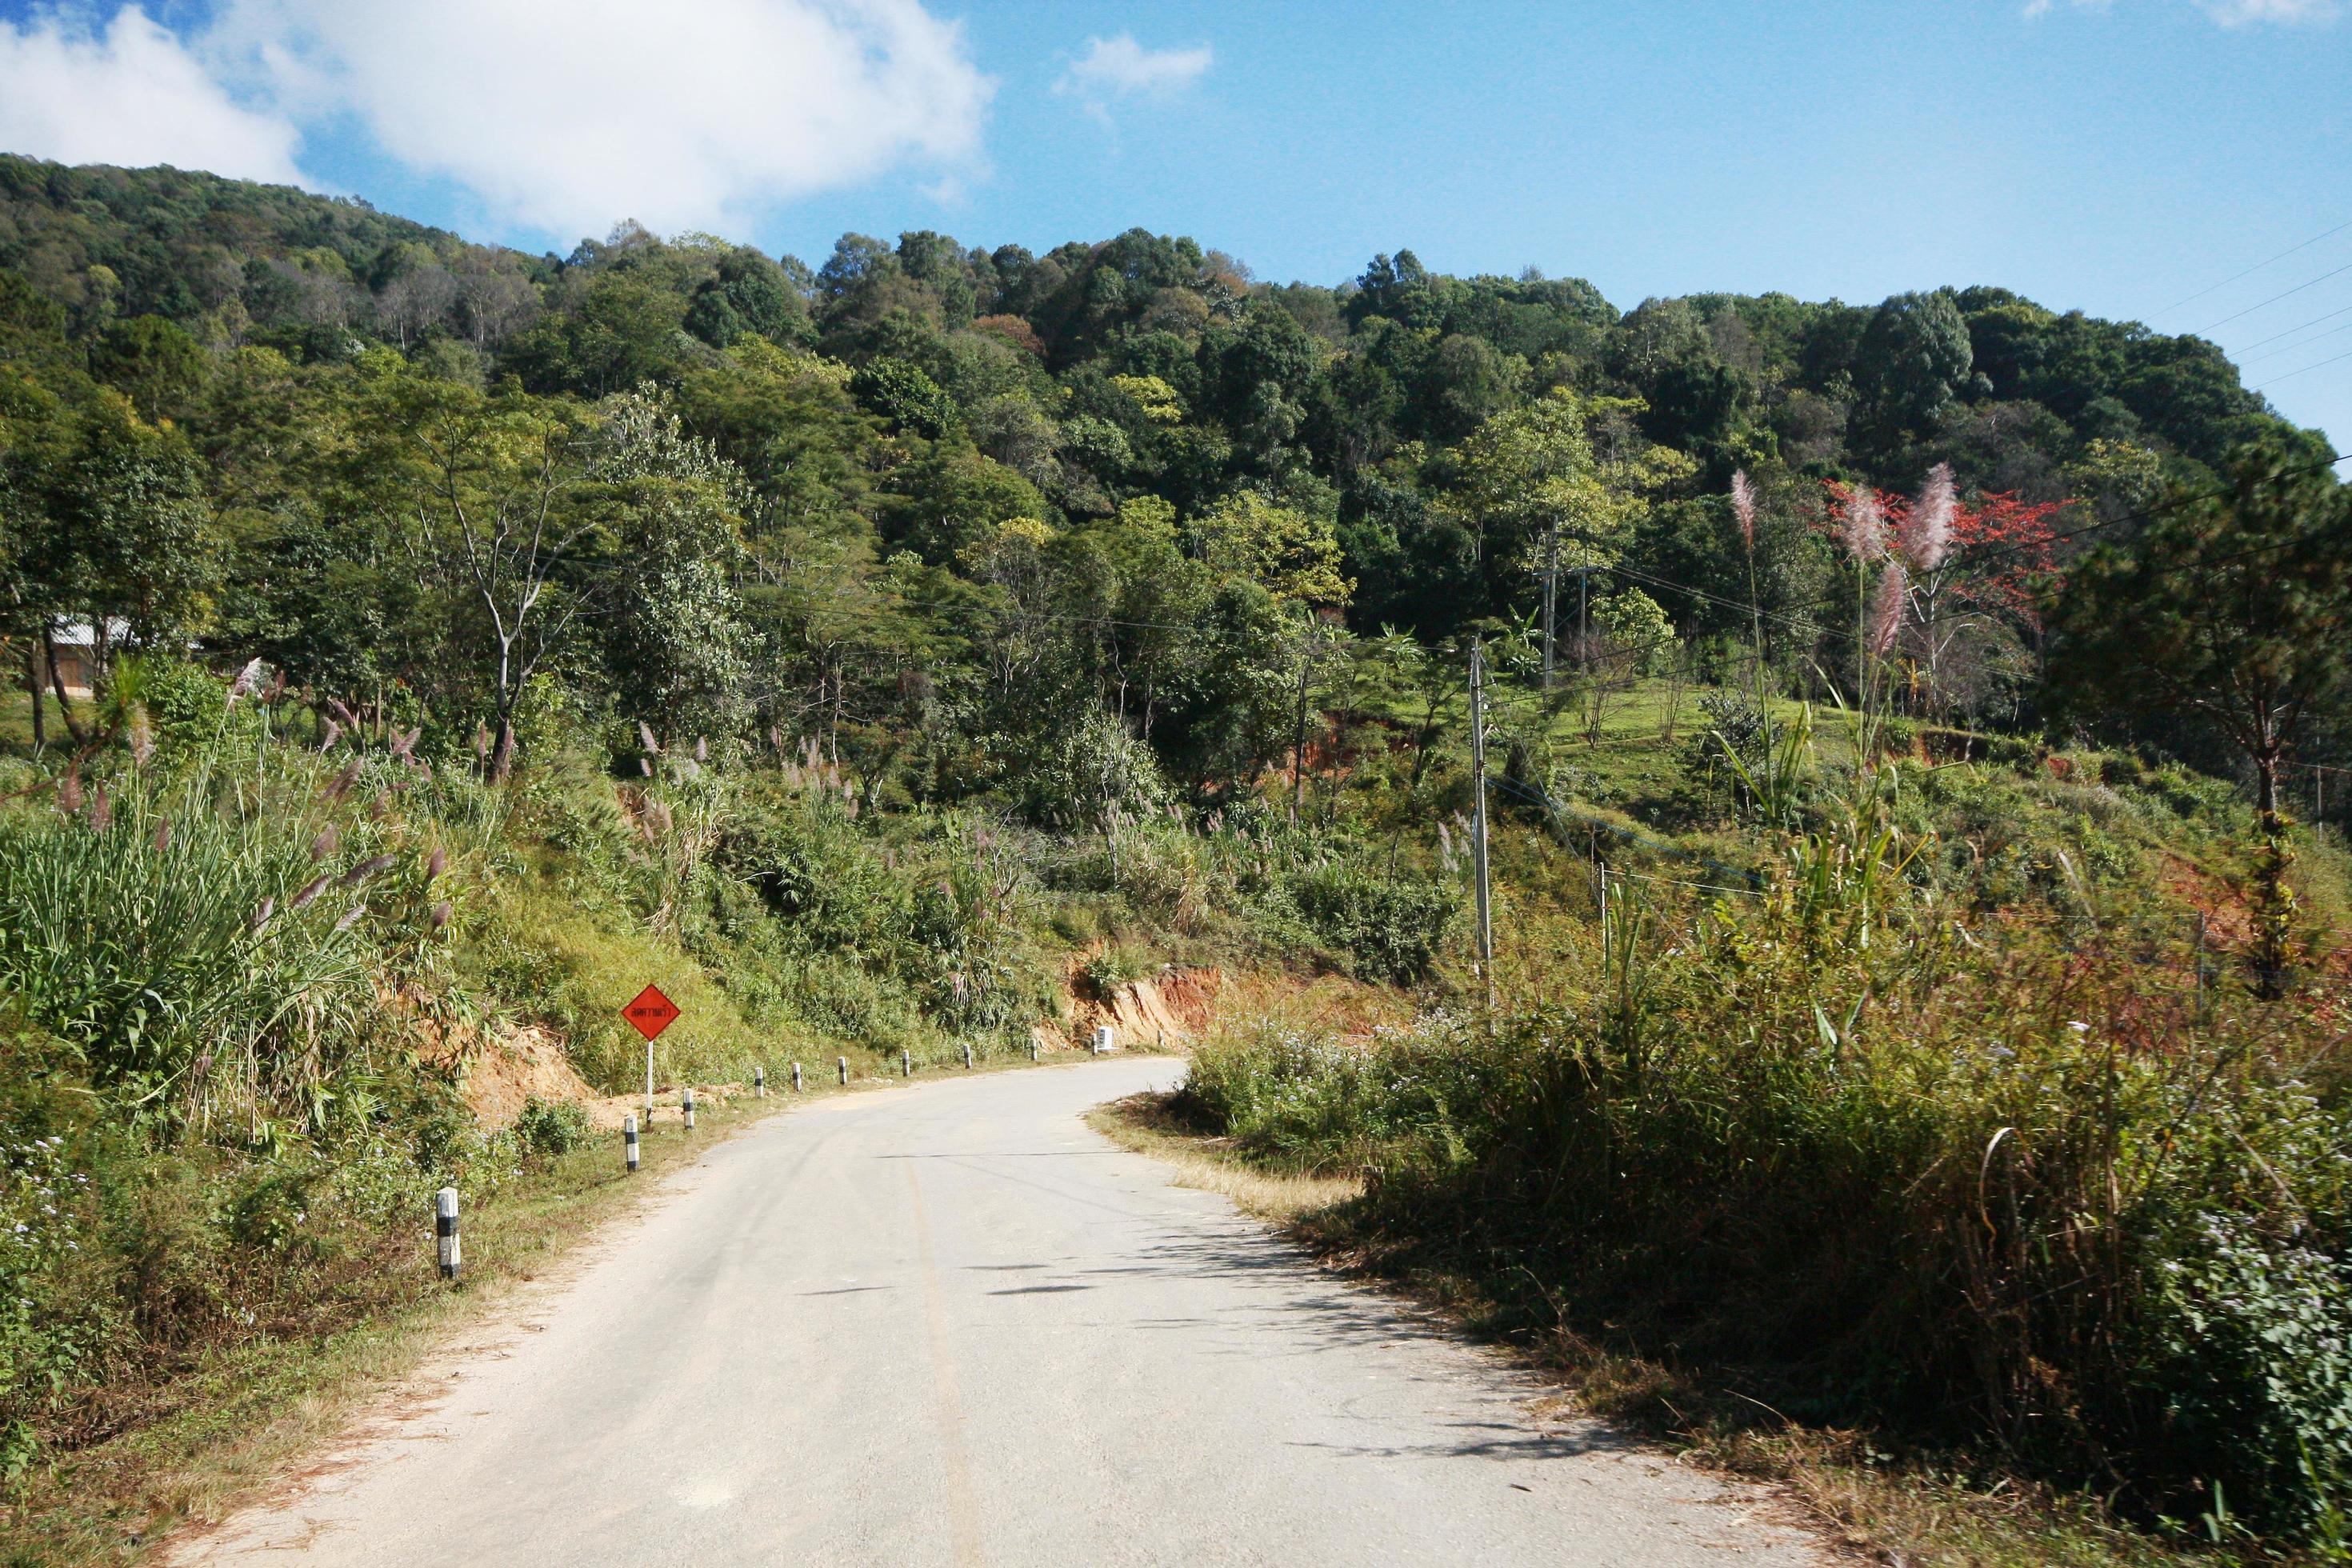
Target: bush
1990,1187
548,1127
1388,929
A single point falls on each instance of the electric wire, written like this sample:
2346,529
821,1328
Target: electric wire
2290,332
2249,271
2274,300
2306,370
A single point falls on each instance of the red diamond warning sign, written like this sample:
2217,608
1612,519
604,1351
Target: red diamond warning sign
651,1012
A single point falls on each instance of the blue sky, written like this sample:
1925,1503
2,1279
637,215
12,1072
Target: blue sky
2114,156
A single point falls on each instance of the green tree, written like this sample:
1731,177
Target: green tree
481,491
153,362
2234,612
1289,554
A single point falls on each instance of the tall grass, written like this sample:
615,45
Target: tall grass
2002,1186
205,942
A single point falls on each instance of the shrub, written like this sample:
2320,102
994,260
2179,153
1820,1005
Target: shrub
548,1127
1388,929
1985,1186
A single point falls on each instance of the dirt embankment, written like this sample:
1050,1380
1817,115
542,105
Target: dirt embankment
1170,1008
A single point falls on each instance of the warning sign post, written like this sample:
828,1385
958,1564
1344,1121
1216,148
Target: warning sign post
649,1013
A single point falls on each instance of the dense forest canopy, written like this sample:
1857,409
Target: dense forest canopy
934,490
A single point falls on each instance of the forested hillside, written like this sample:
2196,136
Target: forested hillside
902,399
414,645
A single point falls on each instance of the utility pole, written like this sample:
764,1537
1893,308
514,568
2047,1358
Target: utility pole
1584,620
1550,598
1298,743
1479,818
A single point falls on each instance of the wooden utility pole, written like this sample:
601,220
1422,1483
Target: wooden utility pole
1479,818
1551,600
1583,618
1298,742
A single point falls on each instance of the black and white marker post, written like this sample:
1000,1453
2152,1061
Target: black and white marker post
445,1229
967,1058
629,1144
686,1100
796,1078
759,1081
906,1064
842,1065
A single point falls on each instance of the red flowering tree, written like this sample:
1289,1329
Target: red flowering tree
1970,577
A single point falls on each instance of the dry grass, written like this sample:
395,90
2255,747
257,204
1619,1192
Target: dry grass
1141,1123
248,1415
1878,1509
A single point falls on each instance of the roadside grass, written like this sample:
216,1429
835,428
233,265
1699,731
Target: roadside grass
250,1411
1910,1511
1147,1124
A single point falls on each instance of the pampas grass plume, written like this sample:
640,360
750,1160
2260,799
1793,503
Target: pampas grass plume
1928,539
1865,533
1887,607
1743,505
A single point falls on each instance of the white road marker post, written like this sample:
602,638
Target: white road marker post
967,1057
906,1064
842,1063
1032,1047
445,1229
629,1144
685,1100
796,1078
759,1081
1102,1038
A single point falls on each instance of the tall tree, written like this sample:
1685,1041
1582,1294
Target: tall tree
2234,611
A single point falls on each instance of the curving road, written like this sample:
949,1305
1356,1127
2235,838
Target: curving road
951,1324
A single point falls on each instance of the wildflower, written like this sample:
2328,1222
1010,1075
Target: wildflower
351,918
245,680
324,844
162,835
69,791
334,733
646,767
645,734
441,913
1743,506
311,891
1928,541
340,785
701,749
101,810
436,863
142,739
269,906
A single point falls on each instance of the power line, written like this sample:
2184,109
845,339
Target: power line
2291,348
2306,370
2249,271
2298,327
2276,299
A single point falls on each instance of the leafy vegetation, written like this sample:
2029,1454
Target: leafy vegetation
416,643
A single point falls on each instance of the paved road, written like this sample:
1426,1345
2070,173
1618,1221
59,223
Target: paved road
951,1324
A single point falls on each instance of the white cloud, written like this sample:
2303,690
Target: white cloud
2227,13
2292,13
1122,68
128,94
685,116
